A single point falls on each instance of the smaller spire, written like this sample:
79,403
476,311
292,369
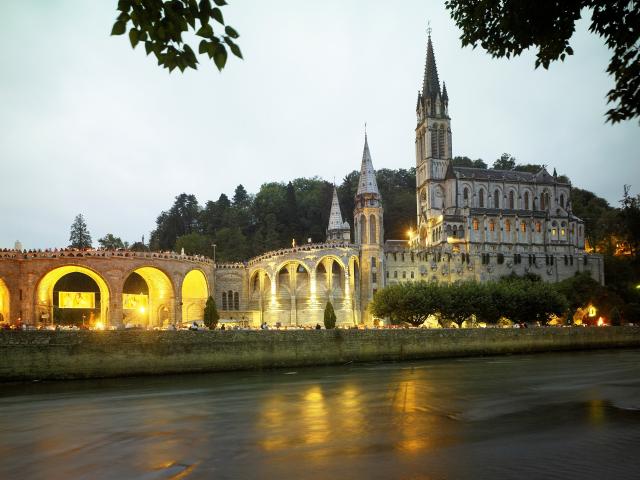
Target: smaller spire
445,97
335,216
338,230
367,182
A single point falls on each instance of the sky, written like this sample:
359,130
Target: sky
89,125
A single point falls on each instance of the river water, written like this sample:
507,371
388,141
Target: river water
563,415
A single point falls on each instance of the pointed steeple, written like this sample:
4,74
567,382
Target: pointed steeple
430,82
367,182
335,216
445,97
338,230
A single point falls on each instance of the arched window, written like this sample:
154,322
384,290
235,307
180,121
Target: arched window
481,198
492,225
523,227
236,301
465,196
441,149
496,199
475,224
512,203
507,226
526,200
538,227
562,200
224,300
543,201
373,262
372,229
434,142
230,300
363,229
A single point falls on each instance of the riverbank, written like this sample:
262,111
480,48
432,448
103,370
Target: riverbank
35,355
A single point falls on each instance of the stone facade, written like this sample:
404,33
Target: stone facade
27,281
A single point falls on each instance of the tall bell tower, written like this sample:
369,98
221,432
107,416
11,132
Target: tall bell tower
369,232
433,143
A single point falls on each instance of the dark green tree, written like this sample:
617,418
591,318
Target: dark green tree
467,162
194,244
79,236
160,25
630,216
111,242
211,315
506,28
505,162
329,316
181,219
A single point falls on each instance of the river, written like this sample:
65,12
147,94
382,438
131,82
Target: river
560,415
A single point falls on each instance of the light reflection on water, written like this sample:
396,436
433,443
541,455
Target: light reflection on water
573,415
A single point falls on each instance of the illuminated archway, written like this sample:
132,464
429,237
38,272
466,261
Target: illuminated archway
4,302
44,301
195,292
160,301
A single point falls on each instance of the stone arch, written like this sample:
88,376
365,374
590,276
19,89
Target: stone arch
5,302
44,301
481,197
512,199
161,298
194,293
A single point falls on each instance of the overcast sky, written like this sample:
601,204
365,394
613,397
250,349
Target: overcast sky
89,125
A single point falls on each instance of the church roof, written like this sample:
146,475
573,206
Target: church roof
335,216
503,175
367,182
430,82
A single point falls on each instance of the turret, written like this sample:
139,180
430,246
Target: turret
338,230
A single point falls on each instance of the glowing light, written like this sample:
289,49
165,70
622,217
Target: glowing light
98,325
142,310
592,311
601,322
410,234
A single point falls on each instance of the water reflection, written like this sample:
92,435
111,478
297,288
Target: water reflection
472,418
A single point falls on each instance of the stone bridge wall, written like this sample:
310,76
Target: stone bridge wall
55,355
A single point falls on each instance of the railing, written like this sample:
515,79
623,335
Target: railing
302,248
75,253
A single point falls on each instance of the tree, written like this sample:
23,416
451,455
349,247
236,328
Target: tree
211,315
194,244
329,316
631,219
505,162
508,27
467,162
182,218
160,25
138,247
111,242
79,236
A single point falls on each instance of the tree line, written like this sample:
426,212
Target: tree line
510,299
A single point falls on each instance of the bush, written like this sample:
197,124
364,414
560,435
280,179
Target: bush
211,315
329,316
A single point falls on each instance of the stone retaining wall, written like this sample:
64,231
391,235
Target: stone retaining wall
58,355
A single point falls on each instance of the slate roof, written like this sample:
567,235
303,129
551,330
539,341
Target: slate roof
503,175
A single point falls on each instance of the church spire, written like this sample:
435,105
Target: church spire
338,230
335,215
367,182
430,82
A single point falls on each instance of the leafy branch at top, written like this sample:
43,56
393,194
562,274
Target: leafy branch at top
160,25
506,28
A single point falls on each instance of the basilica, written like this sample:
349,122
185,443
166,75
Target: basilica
472,224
